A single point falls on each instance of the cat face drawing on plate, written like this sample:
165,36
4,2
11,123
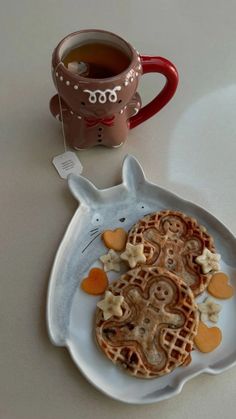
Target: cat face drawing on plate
109,209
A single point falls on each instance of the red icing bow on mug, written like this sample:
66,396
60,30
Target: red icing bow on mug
92,122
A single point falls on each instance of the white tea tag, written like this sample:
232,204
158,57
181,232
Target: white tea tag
67,163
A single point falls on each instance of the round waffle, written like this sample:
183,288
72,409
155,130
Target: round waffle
173,240
155,333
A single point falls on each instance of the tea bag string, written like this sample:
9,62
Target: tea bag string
61,112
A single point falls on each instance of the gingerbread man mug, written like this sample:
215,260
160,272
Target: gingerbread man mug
96,74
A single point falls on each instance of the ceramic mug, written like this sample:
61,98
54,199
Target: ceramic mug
100,111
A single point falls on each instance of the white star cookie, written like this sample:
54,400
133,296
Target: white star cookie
209,310
208,261
111,305
133,254
111,261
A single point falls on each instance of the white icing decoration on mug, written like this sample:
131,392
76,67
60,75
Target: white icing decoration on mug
130,76
112,97
102,98
92,97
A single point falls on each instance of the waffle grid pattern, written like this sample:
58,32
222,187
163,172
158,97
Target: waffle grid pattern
177,343
193,231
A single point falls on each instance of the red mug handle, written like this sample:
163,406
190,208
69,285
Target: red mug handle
165,67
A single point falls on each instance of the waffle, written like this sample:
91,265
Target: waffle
173,240
155,333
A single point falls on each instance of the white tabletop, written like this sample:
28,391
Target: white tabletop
189,148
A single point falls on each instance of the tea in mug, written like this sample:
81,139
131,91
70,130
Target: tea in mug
96,60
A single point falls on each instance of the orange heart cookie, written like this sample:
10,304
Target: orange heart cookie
207,338
115,239
219,286
96,282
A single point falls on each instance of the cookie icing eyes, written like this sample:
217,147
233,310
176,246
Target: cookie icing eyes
163,292
173,225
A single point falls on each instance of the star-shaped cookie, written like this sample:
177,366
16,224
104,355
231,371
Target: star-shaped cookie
111,305
209,310
209,261
133,254
111,261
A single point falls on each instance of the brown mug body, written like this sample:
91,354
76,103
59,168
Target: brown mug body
95,111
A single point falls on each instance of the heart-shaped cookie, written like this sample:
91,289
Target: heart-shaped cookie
207,338
115,239
96,282
219,287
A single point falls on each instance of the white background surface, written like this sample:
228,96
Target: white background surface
188,148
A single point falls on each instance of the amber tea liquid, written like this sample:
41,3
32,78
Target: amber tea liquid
103,60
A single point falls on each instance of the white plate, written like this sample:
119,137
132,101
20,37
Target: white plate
70,312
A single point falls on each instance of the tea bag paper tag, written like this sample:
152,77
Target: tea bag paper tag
67,163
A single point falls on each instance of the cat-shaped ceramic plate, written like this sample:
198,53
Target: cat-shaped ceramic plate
70,311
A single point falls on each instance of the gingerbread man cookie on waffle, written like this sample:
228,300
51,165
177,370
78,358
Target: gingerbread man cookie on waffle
173,240
155,332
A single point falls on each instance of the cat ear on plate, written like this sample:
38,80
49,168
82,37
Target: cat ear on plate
82,189
132,173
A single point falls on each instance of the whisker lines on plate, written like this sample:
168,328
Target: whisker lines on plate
94,229
92,233
86,247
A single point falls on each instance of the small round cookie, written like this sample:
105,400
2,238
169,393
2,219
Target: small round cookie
173,240
154,333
